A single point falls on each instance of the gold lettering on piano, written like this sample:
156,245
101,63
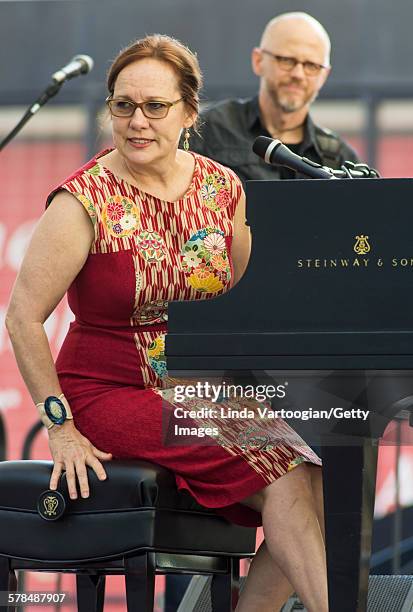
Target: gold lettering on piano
361,247
334,263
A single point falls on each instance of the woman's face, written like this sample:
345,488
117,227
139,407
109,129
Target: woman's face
139,140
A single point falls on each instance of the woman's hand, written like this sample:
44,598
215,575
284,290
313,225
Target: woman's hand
72,452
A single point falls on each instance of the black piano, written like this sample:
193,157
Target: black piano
326,304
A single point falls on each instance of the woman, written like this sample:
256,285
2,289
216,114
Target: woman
155,223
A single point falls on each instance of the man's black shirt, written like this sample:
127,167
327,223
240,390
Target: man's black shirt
229,129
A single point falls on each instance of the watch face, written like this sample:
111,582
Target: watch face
55,410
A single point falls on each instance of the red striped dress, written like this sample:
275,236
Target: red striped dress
111,366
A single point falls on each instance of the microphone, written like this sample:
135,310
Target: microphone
276,153
79,64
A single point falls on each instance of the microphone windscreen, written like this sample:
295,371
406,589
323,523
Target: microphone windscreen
86,61
261,145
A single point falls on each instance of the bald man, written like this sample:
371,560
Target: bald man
292,63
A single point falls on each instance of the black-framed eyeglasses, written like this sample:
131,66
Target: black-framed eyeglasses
289,63
152,109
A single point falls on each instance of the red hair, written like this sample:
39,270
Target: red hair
165,49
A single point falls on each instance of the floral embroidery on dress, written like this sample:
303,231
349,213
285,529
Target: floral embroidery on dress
120,216
295,462
95,170
151,246
216,192
156,356
205,260
151,313
88,205
255,438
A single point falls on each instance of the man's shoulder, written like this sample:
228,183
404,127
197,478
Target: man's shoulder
224,130
330,135
334,146
229,114
236,105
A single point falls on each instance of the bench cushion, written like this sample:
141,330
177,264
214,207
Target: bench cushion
138,507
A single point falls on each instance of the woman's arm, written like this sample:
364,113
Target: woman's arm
57,252
241,243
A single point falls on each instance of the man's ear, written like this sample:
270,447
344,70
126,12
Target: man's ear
256,61
325,76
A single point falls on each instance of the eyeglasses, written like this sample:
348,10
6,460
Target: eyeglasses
289,63
152,109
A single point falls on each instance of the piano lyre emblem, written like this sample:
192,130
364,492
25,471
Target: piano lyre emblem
50,504
362,245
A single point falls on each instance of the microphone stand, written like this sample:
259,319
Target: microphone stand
347,170
273,151
50,91
352,171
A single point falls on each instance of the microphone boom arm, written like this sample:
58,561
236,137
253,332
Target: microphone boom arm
80,64
50,91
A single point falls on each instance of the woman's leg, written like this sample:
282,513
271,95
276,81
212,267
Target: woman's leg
294,542
266,589
316,476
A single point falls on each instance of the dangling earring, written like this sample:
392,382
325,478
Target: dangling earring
187,136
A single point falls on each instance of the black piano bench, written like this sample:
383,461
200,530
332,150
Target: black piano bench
135,523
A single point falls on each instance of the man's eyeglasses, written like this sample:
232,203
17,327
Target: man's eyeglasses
289,63
152,109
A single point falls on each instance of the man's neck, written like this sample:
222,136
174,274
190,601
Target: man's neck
288,127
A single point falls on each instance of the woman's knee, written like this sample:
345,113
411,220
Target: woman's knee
316,475
254,501
295,484
298,481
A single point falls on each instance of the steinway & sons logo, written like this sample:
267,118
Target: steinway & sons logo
361,247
